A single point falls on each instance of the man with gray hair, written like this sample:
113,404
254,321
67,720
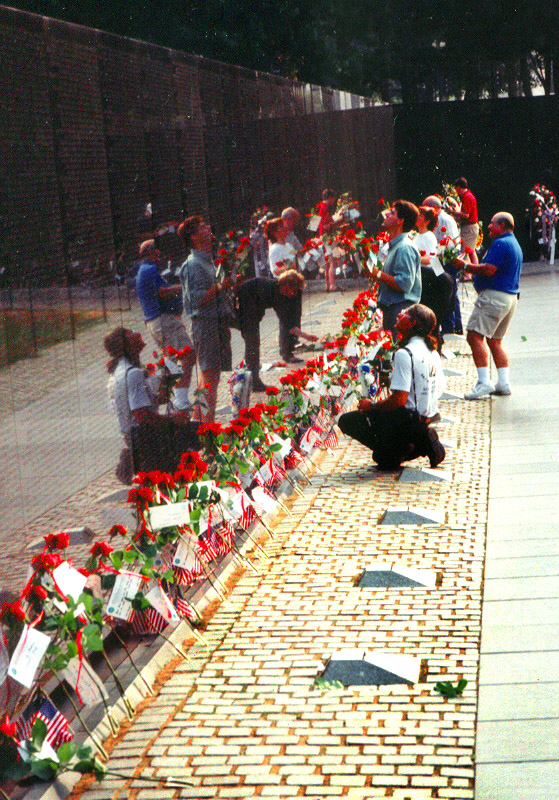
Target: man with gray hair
446,226
291,219
496,281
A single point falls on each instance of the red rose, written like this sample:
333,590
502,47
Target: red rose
101,550
443,229
272,390
381,201
8,728
117,530
231,234
39,592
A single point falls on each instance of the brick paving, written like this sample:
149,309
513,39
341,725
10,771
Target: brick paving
74,471
245,718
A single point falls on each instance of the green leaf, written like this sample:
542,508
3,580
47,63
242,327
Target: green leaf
85,766
83,752
116,559
72,649
193,491
130,556
108,582
16,771
45,769
38,733
91,564
87,599
95,642
523,338
462,683
66,751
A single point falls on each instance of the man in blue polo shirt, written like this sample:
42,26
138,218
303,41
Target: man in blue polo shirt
162,307
496,281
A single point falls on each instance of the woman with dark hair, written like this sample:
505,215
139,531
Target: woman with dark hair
437,287
398,428
155,441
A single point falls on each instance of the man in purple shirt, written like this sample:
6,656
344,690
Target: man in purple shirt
496,281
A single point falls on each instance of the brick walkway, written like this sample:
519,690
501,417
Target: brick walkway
60,440
246,719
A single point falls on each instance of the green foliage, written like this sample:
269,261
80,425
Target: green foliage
447,689
328,686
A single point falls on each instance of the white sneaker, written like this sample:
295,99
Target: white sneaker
501,389
480,390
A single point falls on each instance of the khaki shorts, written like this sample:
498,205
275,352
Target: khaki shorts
212,340
492,313
168,331
469,234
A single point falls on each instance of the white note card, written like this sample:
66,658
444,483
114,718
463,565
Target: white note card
126,588
169,514
28,655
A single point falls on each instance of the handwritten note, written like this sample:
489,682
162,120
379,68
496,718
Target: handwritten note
28,655
169,515
125,589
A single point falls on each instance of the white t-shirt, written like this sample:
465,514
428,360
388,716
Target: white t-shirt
426,242
128,391
428,377
281,253
448,222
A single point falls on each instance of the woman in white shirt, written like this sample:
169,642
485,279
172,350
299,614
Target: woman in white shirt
436,289
281,255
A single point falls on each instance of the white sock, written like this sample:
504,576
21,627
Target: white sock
180,398
483,374
504,374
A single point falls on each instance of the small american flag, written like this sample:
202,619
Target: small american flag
148,621
292,459
331,440
184,577
183,607
206,551
58,730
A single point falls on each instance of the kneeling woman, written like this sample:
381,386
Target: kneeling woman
397,429
156,441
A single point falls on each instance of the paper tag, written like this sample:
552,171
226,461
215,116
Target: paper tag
90,687
28,655
69,580
169,514
285,445
173,368
436,266
185,557
125,589
265,472
309,440
159,600
263,499
351,349
314,222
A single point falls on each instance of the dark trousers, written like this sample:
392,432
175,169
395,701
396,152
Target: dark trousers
393,436
390,314
437,293
250,331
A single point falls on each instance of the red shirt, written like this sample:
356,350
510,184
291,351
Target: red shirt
325,217
469,207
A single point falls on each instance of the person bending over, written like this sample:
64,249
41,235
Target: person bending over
389,428
284,296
